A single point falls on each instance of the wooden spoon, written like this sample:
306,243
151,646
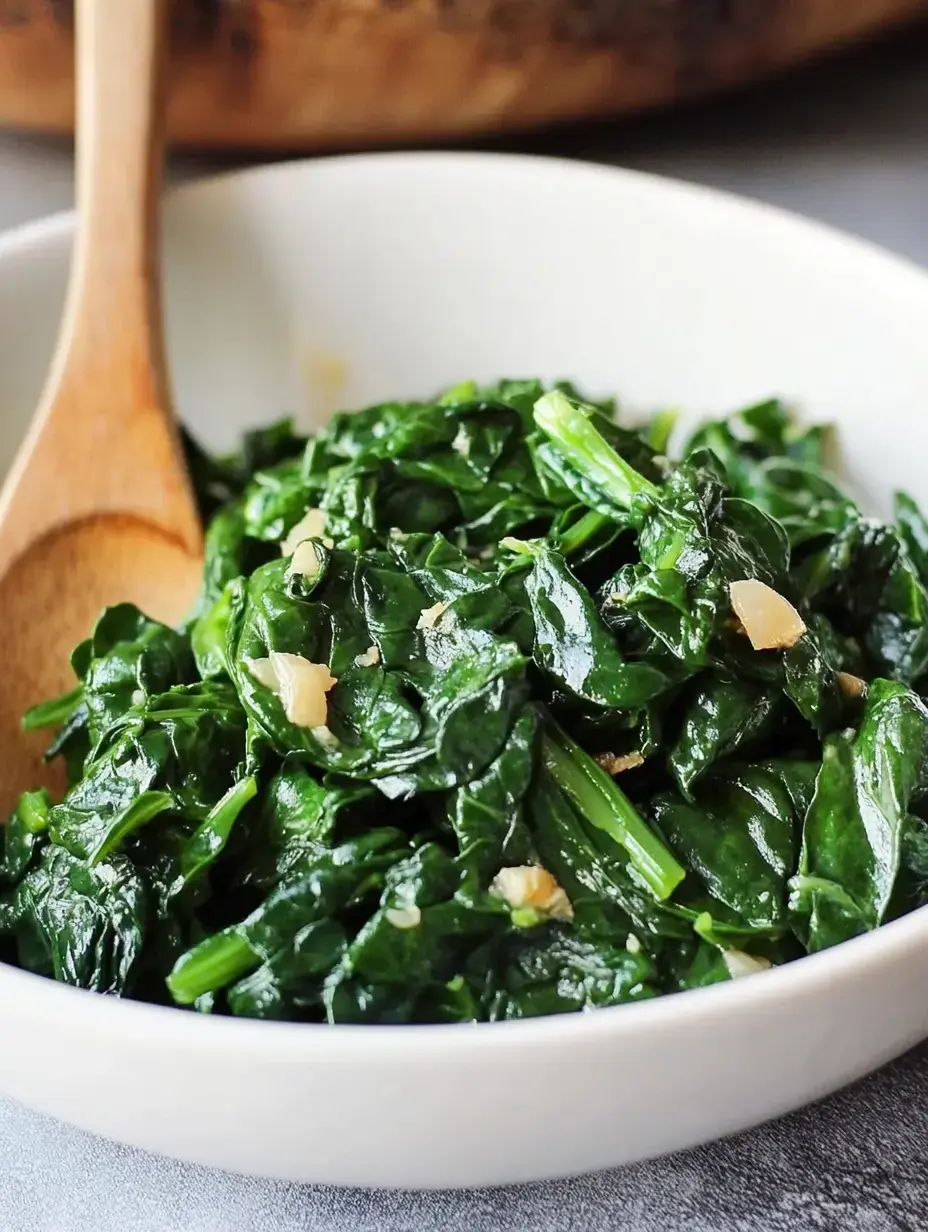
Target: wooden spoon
98,507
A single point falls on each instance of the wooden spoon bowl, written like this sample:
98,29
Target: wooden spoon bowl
51,601
314,74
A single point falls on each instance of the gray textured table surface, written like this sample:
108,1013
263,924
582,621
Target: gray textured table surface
847,144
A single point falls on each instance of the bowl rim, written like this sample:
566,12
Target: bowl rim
28,994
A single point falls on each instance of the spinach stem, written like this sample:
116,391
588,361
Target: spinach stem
582,531
142,809
212,834
215,962
50,713
660,430
604,805
573,432
32,810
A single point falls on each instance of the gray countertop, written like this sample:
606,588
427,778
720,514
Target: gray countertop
848,144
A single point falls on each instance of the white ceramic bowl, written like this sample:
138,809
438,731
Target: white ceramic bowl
419,270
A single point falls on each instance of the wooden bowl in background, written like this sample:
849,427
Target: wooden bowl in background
317,74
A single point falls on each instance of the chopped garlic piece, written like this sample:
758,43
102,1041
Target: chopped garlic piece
370,658
632,944
616,764
264,673
740,964
305,562
403,917
530,886
310,526
770,621
430,616
461,443
851,686
303,688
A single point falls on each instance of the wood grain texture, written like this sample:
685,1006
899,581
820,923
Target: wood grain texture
317,74
103,439
97,508
51,601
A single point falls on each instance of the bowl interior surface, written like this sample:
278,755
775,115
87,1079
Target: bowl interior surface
306,287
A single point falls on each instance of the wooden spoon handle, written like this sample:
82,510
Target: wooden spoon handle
114,293
107,400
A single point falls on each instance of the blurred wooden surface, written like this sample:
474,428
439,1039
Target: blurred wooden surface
323,74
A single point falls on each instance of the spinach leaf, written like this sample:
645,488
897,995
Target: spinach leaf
81,924
740,836
779,468
426,467
492,742
226,555
178,752
274,501
24,835
290,984
414,945
296,815
325,882
572,646
913,530
897,636
127,660
564,972
854,828
723,716
486,814
847,577
408,724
